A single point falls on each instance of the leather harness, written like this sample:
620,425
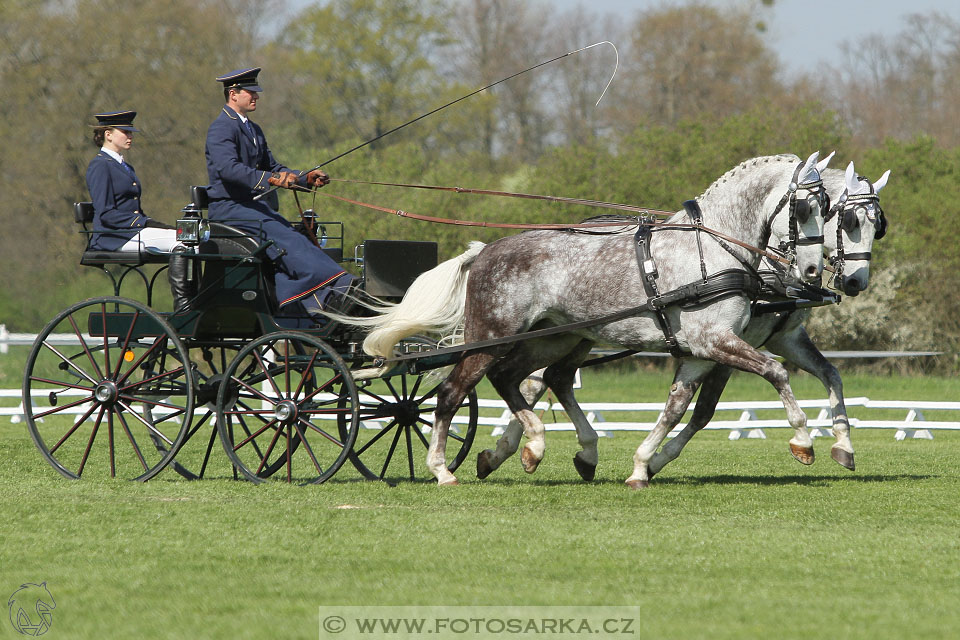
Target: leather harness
694,294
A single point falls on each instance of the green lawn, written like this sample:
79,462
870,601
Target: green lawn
733,540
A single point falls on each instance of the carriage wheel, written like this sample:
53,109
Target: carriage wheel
278,406
396,416
121,385
192,460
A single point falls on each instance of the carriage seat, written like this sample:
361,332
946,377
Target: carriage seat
83,215
199,197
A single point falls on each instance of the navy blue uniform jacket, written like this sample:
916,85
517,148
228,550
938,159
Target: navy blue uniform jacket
239,169
115,192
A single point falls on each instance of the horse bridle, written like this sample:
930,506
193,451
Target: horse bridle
849,207
800,211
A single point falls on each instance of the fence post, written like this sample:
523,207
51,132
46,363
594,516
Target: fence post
747,415
914,415
819,432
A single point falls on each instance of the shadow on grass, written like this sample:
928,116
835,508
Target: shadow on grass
574,480
813,481
791,479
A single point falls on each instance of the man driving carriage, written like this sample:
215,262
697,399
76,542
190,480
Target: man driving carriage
241,167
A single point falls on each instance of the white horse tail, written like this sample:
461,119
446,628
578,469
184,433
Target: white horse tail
433,304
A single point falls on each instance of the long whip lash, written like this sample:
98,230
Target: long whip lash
460,99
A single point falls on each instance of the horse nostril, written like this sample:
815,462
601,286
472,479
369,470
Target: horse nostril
812,272
851,286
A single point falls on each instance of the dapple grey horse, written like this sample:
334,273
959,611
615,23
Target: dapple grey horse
785,336
782,333
540,279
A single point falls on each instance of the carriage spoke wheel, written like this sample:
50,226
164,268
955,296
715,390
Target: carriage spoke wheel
396,419
280,407
193,460
104,378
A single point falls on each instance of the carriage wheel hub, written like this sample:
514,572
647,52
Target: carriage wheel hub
406,412
286,411
106,392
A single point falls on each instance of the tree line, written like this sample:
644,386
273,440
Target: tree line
698,90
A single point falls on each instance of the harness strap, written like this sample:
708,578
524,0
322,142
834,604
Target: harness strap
696,216
865,255
689,296
648,276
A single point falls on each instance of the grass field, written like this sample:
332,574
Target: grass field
733,540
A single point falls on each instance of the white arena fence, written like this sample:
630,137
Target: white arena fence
740,419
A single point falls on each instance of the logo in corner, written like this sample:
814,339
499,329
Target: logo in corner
31,609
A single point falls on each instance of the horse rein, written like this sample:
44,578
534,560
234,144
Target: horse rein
663,225
511,194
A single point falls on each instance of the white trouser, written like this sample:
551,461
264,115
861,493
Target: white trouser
164,240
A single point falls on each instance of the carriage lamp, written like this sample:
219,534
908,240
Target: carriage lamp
192,229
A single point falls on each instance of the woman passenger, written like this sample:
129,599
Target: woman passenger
119,223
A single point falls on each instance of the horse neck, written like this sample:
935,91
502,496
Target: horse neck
740,203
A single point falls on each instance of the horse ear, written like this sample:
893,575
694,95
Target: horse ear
853,185
809,167
882,182
826,161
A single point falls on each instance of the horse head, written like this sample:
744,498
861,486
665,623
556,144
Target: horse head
797,227
852,226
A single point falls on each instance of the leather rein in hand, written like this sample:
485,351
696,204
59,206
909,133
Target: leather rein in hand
644,215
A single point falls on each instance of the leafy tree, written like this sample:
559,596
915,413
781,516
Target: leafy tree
498,38
62,62
358,68
693,59
903,86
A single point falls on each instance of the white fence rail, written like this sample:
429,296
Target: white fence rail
739,418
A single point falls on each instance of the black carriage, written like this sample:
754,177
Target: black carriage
114,385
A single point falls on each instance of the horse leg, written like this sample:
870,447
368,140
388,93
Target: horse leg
797,348
559,377
731,350
504,380
489,460
681,392
710,392
508,374
450,394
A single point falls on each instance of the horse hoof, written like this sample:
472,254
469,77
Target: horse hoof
530,462
586,470
804,455
843,458
451,482
638,484
483,464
